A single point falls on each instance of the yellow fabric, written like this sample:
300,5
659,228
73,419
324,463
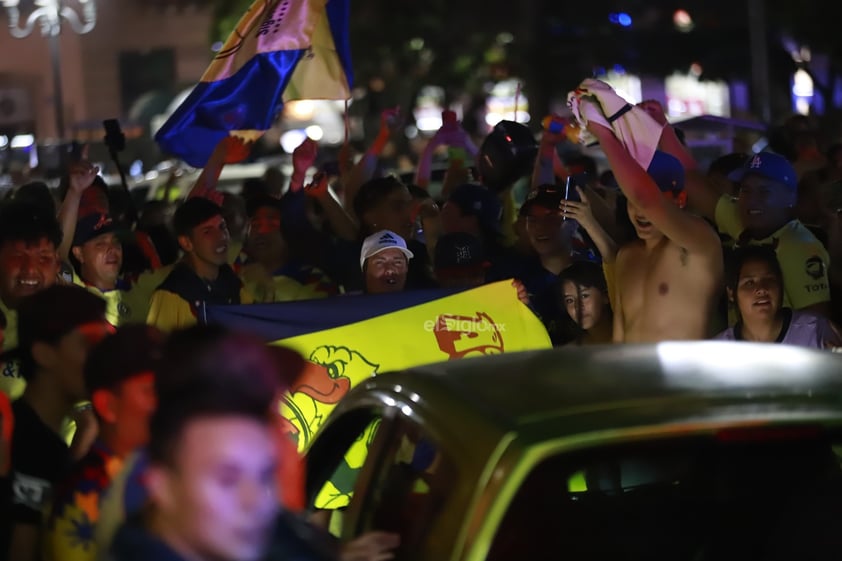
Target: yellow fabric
11,382
509,216
483,321
128,305
279,288
111,505
804,260
113,300
168,311
138,299
235,250
727,217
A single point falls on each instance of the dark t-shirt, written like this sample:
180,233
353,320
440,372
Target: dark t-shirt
39,458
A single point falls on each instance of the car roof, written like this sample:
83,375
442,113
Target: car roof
516,390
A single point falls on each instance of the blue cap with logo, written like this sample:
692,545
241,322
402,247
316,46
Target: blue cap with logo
769,165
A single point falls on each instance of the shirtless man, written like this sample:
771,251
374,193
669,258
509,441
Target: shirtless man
670,278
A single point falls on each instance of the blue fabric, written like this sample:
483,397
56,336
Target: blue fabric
273,322
338,15
248,100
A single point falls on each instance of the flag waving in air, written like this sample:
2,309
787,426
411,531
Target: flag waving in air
281,50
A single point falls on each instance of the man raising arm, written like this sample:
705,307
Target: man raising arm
668,280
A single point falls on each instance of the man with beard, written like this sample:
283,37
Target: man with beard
203,276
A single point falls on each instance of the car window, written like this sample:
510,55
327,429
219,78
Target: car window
410,488
701,498
334,464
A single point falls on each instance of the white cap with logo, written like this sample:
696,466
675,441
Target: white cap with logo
381,241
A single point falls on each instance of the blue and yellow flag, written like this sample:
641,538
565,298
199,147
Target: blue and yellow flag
281,50
351,338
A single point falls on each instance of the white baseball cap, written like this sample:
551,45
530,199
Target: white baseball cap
381,241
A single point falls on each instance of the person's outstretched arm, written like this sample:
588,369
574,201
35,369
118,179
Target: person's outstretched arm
230,150
364,169
581,212
686,230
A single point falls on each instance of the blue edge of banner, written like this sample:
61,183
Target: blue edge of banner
273,322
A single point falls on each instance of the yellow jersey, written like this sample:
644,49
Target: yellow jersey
803,259
11,382
289,283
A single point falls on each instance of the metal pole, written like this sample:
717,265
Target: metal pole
759,59
55,58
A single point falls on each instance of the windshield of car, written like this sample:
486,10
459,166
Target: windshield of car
771,495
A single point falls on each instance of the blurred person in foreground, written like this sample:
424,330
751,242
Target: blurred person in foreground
57,328
213,456
219,465
120,379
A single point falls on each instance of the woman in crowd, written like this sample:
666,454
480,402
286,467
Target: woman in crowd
584,295
755,286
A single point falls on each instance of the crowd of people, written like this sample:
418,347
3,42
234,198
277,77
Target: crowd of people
133,431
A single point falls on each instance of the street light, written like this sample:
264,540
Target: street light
49,15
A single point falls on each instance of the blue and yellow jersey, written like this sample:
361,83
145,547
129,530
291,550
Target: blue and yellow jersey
289,283
178,301
73,516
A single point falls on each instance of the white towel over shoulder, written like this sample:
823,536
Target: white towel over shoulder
596,101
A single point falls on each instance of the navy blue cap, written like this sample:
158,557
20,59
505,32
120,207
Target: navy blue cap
458,250
479,201
93,225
